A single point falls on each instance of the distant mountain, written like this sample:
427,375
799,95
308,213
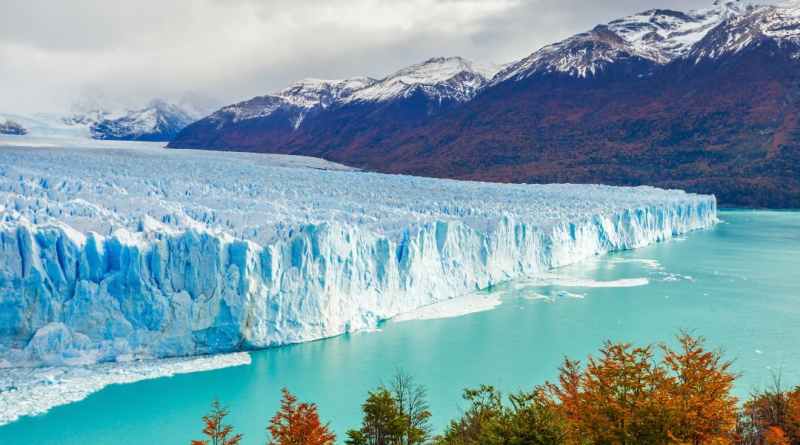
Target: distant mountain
91,119
158,121
12,128
705,100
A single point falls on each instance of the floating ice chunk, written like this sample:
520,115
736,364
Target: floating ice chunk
454,307
537,296
567,294
550,279
672,277
646,262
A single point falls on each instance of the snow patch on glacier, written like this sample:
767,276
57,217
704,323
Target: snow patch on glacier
144,253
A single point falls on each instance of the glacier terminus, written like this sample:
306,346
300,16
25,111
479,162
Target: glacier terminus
114,254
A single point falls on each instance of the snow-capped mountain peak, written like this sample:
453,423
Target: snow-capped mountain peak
159,120
656,36
296,100
779,24
437,70
439,78
580,56
662,35
310,93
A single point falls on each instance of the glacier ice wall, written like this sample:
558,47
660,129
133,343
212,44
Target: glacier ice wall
118,254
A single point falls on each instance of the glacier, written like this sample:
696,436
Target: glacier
116,254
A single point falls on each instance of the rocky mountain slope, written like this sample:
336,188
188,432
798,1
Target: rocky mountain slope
705,100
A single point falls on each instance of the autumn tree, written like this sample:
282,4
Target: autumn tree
699,389
298,424
617,399
792,425
217,432
775,436
771,417
625,396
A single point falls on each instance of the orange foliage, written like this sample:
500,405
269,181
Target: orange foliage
793,415
626,397
775,436
772,417
617,399
215,430
699,393
298,424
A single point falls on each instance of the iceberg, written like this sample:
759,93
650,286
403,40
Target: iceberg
114,254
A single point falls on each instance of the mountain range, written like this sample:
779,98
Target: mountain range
705,100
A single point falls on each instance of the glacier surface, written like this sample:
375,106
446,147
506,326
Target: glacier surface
122,254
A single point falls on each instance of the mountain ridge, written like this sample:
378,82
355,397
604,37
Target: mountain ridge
639,100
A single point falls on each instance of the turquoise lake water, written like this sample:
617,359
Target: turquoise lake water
737,284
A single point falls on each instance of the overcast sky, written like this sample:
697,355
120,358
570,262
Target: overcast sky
53,52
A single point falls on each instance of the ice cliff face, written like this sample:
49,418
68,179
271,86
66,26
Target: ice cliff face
112,254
